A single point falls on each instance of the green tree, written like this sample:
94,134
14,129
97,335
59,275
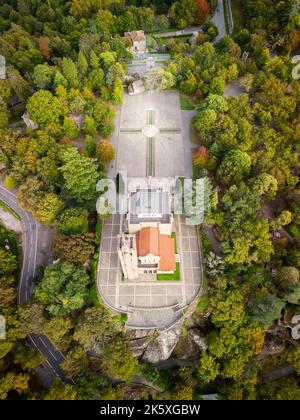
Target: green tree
75,361
80,176
8,261
205,121
82,63
43,76
118,360
283,219
3,114
209,369
159,79
182,392
58,330
294,358
27,357
44,108
184,13
266,309
105,151
106,22
69,70
76,249
13,381
94,328
48,208
89,126
104,116
70,128
59,391
235,165
72,221
63,288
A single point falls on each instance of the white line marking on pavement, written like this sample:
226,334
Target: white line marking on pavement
53,355
43,342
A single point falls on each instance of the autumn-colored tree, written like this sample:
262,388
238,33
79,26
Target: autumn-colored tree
202,10
200,158
105,151
44,47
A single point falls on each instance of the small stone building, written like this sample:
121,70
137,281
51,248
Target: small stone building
137,41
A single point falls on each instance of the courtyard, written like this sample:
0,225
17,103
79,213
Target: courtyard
146,293
150,135
152,140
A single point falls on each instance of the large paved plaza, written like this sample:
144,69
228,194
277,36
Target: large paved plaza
161,111
146,292
152,140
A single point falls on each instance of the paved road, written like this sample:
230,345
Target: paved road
30,229
276,374
187,31
219,20
30,243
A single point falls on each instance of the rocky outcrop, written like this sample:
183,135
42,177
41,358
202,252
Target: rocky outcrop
276,340
198,338
190,345
138,340
163,345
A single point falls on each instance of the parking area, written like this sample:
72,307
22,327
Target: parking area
146,291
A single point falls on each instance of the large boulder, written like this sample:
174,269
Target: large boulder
138,340
190,345
162,346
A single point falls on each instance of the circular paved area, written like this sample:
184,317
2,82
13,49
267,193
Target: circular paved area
150,130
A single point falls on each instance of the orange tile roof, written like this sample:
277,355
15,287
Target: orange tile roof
167,253
147,241
150,241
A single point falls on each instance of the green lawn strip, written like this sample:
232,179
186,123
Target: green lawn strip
150,145
194,134
151,41
206,244
186,103
130,130
9,210
226,15
94,298
237,13
180,38
170,277
175,241
203,299
170,130
165,31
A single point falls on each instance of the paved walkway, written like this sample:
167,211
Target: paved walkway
189,147
219,20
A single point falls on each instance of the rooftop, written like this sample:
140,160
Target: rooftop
149,204
150,241
136,35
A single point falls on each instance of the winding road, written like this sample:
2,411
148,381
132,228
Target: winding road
30,228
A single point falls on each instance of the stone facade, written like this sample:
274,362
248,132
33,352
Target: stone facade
137,41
